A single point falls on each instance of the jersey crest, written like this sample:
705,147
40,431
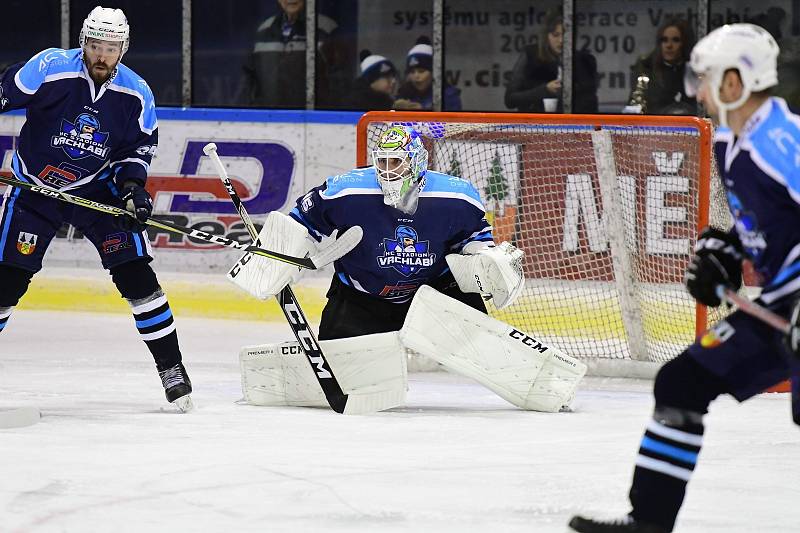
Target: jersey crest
82,138
405,252
746,226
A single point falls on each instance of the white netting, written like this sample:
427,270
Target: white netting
540,186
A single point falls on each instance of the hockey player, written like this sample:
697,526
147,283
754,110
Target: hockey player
757,147
425,260
412,219
91,128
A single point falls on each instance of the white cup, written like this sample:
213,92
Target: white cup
550,104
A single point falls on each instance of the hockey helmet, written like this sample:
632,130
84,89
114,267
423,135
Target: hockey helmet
106,24
747,48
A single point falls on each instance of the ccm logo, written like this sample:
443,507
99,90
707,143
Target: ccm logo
527,341
309,345
291,350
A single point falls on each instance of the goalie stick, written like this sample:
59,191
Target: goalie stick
337,399
341,246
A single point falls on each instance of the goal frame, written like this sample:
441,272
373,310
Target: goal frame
703,127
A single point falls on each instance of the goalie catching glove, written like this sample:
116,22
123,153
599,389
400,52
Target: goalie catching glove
717,261
494,271
263,277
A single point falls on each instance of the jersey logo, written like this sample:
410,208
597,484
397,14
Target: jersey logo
406,253
3,99
61,176
746,225
115,242
82,139
26,243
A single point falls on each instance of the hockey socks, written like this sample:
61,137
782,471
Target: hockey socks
667,456
5,314
157,328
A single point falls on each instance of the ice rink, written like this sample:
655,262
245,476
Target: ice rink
110,454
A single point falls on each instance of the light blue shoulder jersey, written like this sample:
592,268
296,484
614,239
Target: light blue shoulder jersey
761,175
399,252
77,132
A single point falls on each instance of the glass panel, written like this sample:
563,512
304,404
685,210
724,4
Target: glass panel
377,36
638,73
337,52
155,49
782,19
492,57
33,27
224,38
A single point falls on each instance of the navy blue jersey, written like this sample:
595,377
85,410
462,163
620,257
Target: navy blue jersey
399,252
761,174
76,133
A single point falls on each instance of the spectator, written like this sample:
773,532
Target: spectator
275,71
537,74
657,77
417,91
375,86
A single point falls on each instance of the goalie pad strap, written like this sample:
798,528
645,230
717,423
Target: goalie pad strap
518,367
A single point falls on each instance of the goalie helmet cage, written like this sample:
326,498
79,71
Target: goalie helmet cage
607,209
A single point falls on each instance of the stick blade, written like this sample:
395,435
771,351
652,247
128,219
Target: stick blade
341,246
373,402
19,417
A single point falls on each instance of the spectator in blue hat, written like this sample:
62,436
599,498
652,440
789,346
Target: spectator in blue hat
417,91
376,84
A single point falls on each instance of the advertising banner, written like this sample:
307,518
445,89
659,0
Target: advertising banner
270,163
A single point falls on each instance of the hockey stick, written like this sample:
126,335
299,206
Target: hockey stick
753,309
337,399
19,417
310,263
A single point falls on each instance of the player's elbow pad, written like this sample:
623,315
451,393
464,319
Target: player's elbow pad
493,271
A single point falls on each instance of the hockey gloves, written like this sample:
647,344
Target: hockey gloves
136,200
717,261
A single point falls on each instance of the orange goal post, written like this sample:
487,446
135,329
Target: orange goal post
607,209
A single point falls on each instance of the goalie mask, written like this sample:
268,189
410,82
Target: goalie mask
400,161
747,48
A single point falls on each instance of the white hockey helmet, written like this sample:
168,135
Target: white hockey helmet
749,49
400,161
106,24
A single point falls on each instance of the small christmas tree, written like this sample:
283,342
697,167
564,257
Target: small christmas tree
455,165
497,189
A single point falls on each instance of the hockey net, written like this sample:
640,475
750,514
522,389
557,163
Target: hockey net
606,208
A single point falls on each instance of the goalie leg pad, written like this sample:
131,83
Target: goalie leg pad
263,277
519,368
369,365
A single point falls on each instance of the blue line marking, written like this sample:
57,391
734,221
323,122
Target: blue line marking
155,320
292,116
670,451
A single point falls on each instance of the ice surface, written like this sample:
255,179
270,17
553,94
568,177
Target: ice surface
110,455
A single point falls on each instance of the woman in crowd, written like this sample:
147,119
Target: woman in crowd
657,77
537,74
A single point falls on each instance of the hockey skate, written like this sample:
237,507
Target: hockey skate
177,387
626,524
